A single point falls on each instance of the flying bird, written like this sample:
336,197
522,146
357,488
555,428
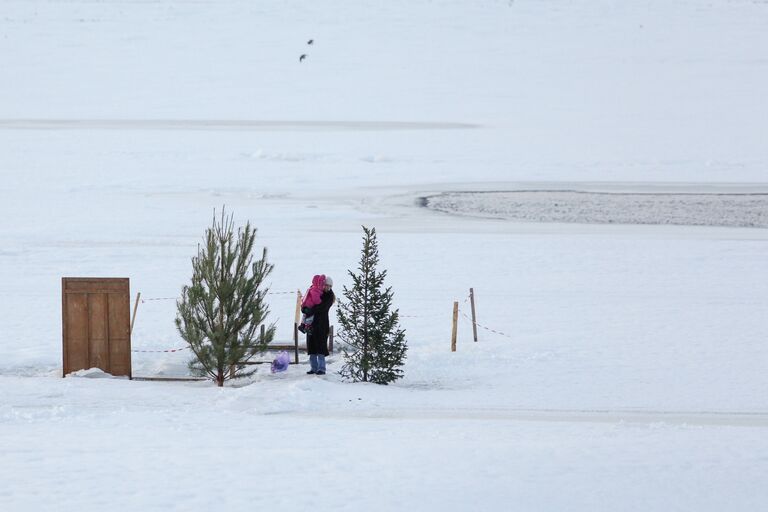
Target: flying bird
310,41
303,56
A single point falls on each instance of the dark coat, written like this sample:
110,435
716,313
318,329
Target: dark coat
317,339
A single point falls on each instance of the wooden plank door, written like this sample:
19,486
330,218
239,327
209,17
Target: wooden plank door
96,324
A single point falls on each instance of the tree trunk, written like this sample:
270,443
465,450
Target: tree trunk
220,379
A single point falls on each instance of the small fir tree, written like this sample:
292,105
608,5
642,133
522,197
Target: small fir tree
219,313
374,346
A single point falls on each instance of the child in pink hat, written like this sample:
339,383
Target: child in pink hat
311,299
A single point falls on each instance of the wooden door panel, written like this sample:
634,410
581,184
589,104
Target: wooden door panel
120,333
98,331
96,325
77,331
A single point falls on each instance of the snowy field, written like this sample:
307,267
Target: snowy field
630,372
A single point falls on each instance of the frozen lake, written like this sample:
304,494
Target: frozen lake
630,372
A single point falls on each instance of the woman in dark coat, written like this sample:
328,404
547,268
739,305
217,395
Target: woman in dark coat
317,338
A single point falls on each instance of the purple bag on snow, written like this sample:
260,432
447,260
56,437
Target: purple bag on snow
281,362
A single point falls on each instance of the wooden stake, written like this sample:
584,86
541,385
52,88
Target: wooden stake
262,333
296,320
296,343
297,316
135,307
474,316
455,325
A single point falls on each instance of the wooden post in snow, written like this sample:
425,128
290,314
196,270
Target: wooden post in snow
455,325
474,316
296,343
296,320
135,307
297,316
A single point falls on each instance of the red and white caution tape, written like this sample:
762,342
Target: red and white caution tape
159,351
487,328
177,298
433,315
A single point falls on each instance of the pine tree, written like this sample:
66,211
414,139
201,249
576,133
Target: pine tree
219,313
374,346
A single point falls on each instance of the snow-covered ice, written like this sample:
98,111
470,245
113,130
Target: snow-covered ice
631,373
